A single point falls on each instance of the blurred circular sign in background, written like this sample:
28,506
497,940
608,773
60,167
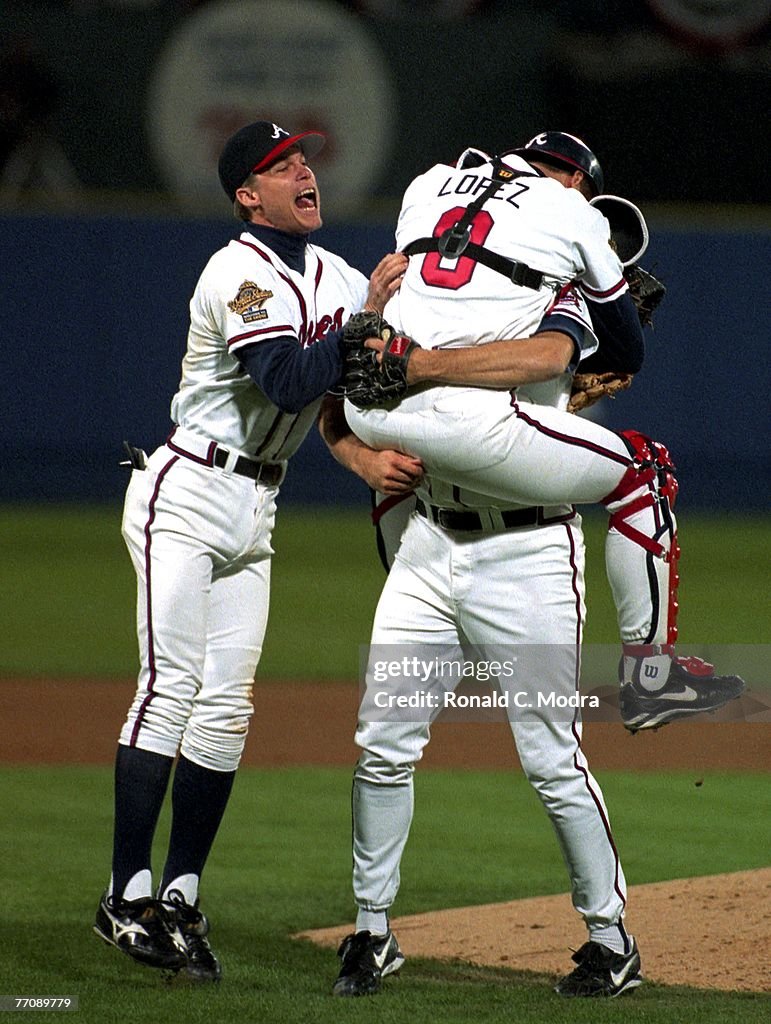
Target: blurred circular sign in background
304,66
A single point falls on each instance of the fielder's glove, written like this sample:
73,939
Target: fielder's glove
367,381
589,388
646,291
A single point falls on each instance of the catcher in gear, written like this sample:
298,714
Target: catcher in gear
449,426
372,381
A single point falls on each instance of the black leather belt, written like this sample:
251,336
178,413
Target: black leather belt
468,522
266,472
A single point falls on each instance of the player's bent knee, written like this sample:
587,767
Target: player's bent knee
218,749
651,468
649,482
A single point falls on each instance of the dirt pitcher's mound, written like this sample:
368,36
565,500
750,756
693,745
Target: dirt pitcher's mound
683,929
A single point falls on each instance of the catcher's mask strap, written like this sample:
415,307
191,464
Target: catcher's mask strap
454,240
628,230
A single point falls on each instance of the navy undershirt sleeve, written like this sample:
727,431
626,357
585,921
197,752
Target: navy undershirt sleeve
618,330
558,322
293,377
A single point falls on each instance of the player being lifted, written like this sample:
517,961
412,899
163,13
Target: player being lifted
486,408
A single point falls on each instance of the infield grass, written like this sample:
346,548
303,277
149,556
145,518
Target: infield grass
282,864
68,600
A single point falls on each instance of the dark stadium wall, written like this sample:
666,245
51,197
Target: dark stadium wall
95,319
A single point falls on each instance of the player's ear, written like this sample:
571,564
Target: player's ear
248,194
582,184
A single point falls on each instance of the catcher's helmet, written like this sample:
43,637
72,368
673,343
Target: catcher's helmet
563,150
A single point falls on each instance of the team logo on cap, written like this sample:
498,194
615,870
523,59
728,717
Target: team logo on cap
249,300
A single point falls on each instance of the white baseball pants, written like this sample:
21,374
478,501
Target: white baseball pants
508,589
525,454
199,538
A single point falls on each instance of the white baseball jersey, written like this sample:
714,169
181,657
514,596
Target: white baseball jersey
531,219
199,530
247,294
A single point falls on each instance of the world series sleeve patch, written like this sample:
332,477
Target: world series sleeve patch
249,302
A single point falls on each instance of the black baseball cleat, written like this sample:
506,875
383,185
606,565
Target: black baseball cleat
601,973
191,934
141,929
691,688
366,960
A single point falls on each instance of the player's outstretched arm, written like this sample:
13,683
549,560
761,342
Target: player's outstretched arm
389,472
499,364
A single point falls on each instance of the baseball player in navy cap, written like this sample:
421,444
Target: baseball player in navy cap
263,348
256,146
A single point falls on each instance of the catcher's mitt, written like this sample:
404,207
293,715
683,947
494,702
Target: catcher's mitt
367,381
589,388
646,291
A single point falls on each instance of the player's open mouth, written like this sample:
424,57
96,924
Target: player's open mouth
307,199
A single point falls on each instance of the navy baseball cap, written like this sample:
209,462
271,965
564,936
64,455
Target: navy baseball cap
255,147
558,149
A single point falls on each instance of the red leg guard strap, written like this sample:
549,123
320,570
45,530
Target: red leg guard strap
645,650
651,462
634,477
618,522
674,582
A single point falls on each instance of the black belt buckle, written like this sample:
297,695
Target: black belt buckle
450,519
444,518
270,473
468,521
261,472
